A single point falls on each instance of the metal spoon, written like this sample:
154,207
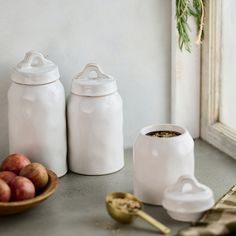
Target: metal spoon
124,207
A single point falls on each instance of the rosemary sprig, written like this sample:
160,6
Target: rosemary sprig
182,14
184,10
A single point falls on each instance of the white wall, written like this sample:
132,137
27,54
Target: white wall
130,39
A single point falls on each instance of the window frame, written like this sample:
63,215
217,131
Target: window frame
212,131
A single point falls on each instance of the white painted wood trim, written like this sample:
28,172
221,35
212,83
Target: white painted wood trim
212,130
185,81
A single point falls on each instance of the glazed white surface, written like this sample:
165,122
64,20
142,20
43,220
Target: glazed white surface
37,124
95,134
159,162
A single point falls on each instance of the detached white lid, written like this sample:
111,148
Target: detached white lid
93,82
187,195
35,69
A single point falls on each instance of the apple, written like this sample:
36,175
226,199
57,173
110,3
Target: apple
21,189
15,162
37,173
5,191
7,176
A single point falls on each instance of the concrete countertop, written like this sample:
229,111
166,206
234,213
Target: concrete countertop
77,208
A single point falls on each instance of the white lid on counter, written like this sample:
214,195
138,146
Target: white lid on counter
93,82
187,199
35,69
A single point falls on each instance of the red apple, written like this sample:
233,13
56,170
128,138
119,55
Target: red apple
15,162
37,173
5,191
7,176
22,189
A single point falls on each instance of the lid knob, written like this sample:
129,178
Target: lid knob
92,81
188,183
35,69
33,59
92,71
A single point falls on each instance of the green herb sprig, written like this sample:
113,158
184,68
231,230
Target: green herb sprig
184,10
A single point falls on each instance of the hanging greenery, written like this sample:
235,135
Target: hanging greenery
184,10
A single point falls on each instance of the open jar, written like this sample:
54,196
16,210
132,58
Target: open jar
161,153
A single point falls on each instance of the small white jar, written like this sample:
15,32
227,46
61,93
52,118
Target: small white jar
95,123
159,162
36,113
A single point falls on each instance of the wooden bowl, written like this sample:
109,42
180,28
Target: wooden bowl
7,208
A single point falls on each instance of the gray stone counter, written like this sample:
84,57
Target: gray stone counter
77,208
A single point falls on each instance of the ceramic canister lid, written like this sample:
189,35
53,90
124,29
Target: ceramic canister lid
188,196
35,69
93,82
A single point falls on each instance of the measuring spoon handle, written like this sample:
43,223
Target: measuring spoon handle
153,222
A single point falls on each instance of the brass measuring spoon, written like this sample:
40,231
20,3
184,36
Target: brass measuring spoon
124,207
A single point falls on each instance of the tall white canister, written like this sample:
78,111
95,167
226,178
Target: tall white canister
95,122
36,110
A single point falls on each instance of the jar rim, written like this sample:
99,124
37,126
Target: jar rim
161,127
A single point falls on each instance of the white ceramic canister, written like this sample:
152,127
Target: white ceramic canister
95,123
160,161
36,112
